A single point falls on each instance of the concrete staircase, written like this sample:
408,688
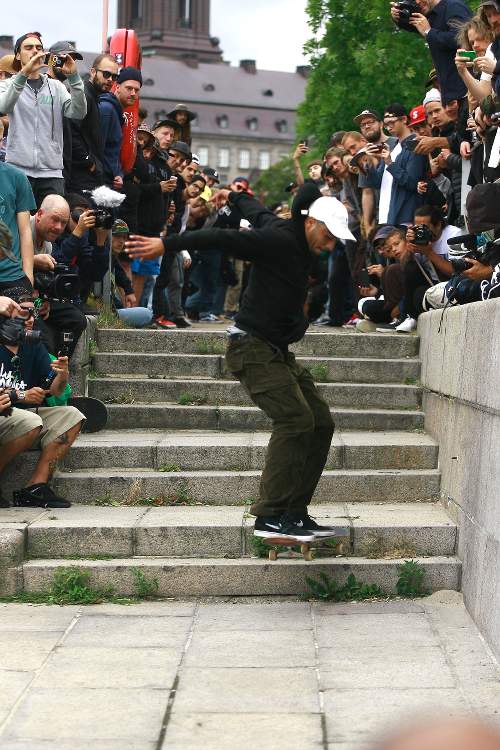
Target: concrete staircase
166,487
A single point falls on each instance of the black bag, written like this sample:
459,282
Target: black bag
483,207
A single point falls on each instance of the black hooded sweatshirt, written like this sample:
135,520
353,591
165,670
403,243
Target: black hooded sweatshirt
273,302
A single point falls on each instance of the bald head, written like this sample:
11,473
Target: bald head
51,218
446,734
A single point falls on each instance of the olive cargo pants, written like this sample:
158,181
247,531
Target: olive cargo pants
302,424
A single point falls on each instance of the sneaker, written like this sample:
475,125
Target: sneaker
323,320
209,318
182,323
366,326
3,502
229,315
389,327
39,496
352,322
276,527
407,326
320,532
163,322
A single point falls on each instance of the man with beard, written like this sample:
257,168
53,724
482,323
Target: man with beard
86,147
270,318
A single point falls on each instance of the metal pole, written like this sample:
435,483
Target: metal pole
105,17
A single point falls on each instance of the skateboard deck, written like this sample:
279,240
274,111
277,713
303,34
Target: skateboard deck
307,549
94,410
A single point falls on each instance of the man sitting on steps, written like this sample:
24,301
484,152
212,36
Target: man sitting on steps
27,378
270,318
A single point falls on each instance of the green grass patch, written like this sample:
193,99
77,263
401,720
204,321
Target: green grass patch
319,373
326,588
208,346
189,399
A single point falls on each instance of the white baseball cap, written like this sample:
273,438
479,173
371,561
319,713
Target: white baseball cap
333,213
433,95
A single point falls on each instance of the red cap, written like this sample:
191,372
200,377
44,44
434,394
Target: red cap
417,115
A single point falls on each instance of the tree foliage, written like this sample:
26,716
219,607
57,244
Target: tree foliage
271,184
359,60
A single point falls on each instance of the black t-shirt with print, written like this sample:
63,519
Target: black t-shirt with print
30,372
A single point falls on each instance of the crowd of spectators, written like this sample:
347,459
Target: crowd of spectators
417,179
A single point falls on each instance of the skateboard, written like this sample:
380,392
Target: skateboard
307,549
93,409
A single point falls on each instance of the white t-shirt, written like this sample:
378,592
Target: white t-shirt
386,189
441,246
491,56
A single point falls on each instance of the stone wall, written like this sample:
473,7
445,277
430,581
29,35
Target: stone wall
460,353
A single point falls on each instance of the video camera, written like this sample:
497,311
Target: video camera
13,332
406,9
466,247
60,284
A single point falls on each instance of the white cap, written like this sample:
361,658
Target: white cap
332,213
433,95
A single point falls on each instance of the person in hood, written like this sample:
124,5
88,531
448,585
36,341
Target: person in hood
111,107
87,170
270,318
36,105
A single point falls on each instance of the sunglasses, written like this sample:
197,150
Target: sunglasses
107,75
26,314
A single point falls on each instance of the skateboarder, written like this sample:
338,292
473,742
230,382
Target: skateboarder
270,318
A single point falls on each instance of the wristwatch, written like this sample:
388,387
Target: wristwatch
18,396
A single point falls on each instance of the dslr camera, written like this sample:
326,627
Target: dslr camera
406,9
61,284
423,235
103,217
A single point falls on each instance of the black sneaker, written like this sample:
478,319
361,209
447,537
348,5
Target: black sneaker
281,527
389,327
39,496
3,502
320,532
182,323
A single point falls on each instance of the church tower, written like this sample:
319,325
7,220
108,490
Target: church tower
177,29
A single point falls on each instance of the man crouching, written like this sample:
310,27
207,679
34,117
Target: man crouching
27,379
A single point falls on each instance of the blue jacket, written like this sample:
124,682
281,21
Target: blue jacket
90,260
111,118
407,170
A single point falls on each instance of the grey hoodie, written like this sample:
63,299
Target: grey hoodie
35,139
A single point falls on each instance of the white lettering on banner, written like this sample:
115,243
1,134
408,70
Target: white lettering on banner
8,380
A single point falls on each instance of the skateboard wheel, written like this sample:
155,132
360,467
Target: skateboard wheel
273,554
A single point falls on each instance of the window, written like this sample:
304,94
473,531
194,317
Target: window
244,159
252,123
282,126
223,158
136,10
222,121
208,87
185,13
203,154
264,160
268,92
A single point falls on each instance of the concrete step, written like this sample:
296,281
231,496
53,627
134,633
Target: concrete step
249,418
333,369
367,530
242,577
146,486
205,450
123,390
338,343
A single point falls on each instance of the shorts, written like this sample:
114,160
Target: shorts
145,267
54,421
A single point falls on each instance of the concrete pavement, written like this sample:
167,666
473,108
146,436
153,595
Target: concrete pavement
235,674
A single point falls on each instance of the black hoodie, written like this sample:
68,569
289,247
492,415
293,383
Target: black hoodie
273,302
86,149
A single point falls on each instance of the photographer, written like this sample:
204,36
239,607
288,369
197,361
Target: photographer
36,106
56,316
437,21
82,247
27,378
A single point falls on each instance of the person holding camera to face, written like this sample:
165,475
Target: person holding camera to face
436,21
27,379
36,106
56,313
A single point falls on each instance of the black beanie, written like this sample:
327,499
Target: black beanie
129,74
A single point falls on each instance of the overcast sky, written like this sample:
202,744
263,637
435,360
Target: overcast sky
269,31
